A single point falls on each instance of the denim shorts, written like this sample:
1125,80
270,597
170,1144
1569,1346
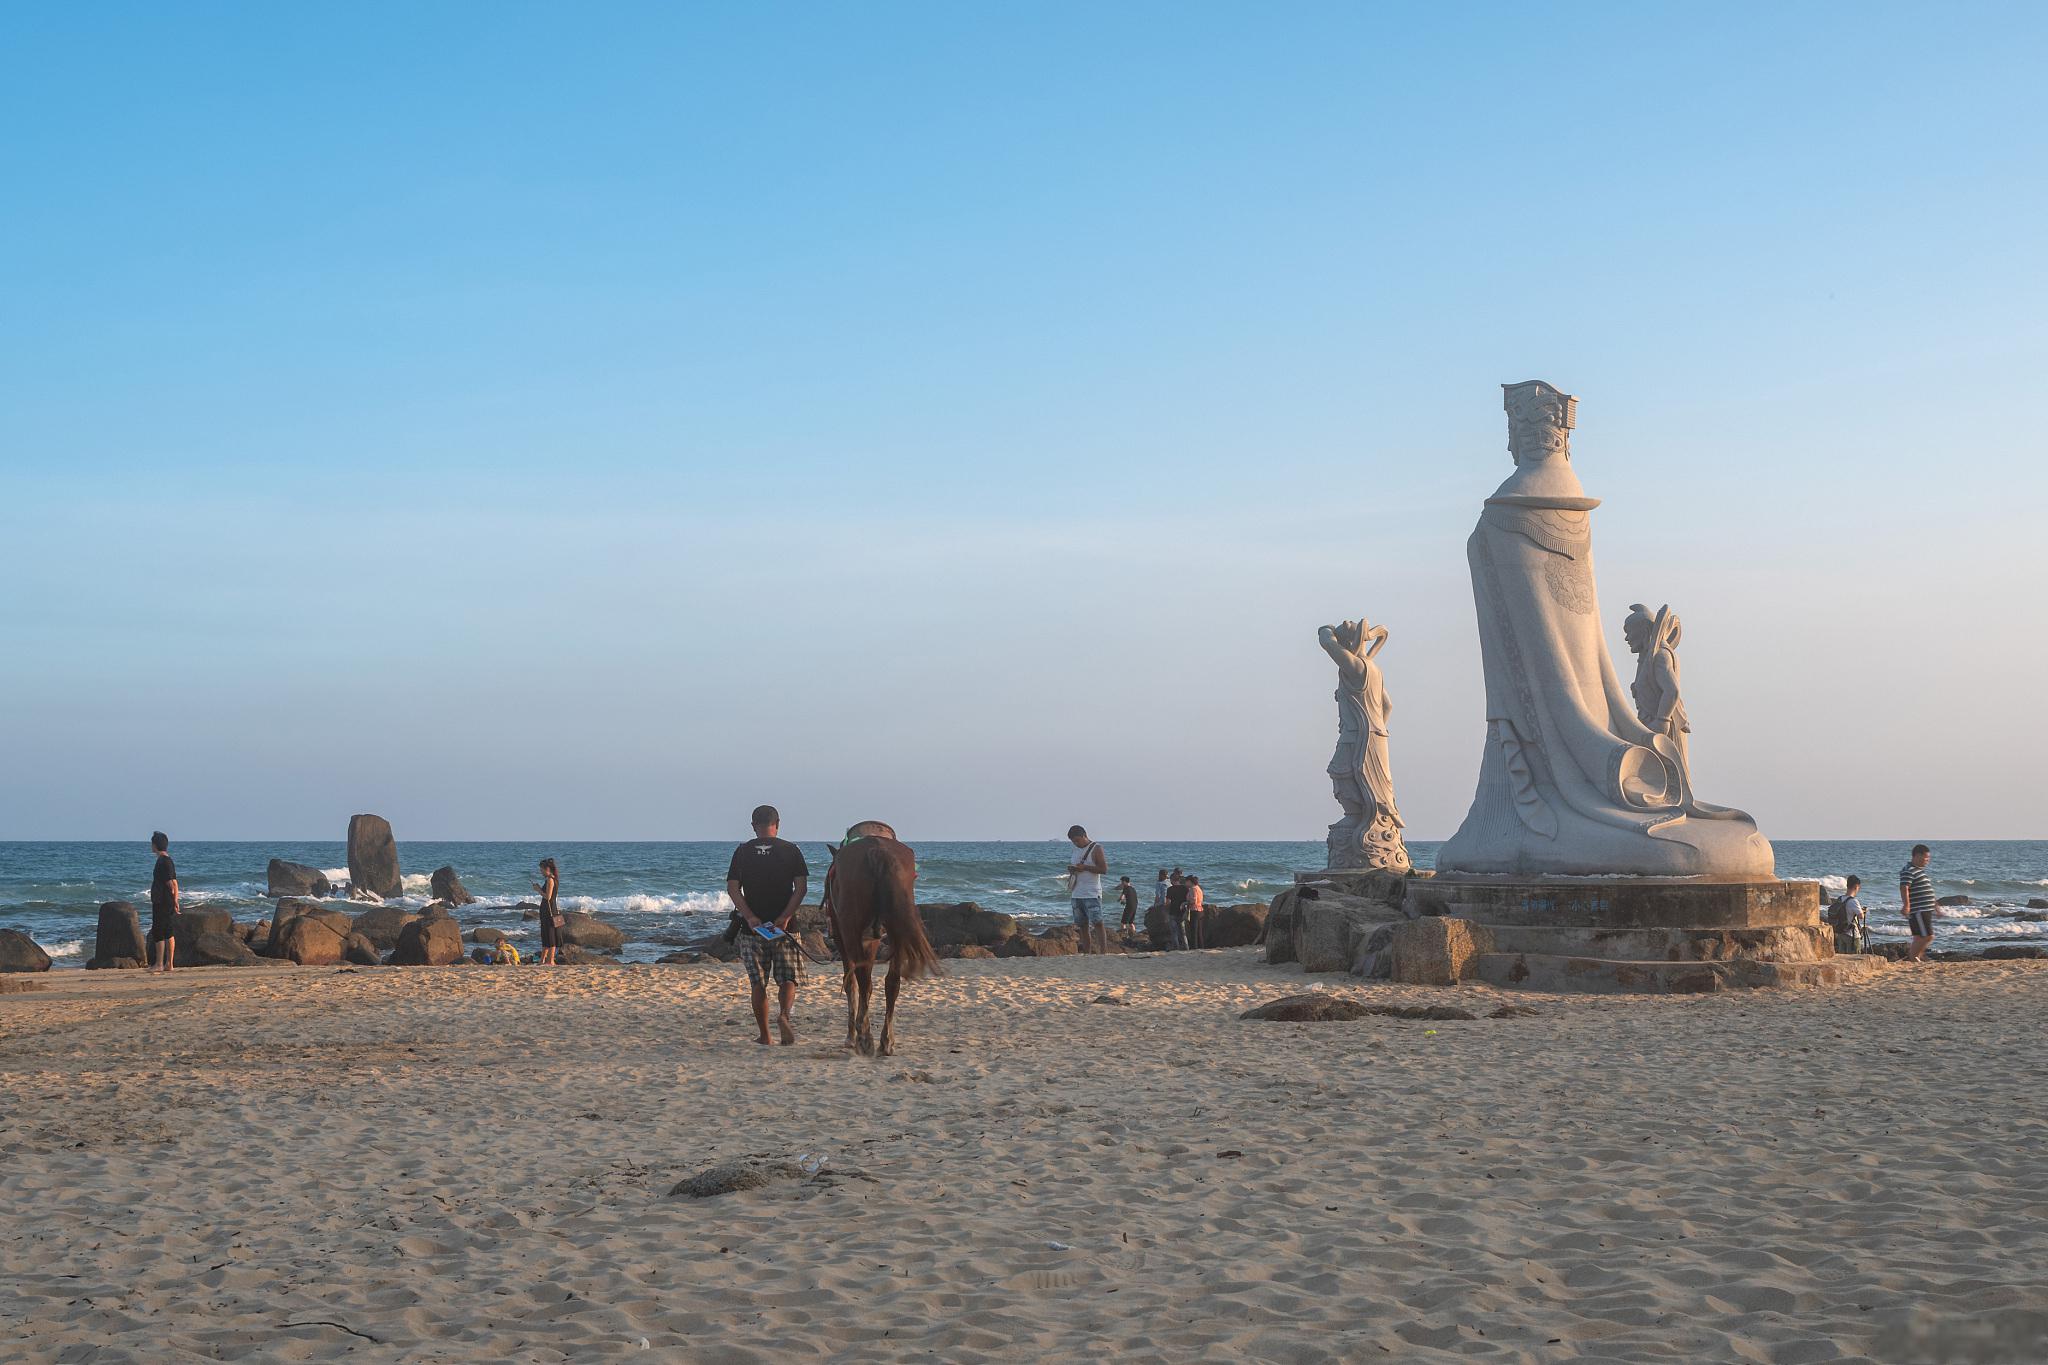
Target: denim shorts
1087,911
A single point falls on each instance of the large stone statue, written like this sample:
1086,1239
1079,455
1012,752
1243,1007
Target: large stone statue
1654,642
1369,835
1571,781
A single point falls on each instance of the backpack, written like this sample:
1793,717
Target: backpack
1838,913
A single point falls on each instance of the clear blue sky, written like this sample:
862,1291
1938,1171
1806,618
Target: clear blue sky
587,421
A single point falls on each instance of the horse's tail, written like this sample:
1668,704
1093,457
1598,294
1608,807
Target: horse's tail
896,908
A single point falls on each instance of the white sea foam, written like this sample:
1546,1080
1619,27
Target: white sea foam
640,903
417,883
335,874
75,948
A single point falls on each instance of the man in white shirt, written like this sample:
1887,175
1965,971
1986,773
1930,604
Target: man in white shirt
1084,885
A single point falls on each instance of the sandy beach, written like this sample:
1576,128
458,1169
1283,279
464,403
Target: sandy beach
312,1164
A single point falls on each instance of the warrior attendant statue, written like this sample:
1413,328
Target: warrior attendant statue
1369,835
1654,642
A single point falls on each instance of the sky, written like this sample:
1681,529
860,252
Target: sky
585,422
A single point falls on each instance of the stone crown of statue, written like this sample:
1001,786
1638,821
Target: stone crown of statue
1540,418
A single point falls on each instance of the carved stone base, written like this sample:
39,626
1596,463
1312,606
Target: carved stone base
1640,934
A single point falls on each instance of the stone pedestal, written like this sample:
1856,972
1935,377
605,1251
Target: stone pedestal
1645,934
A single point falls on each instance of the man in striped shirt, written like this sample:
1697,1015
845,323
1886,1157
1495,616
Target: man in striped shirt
1916,898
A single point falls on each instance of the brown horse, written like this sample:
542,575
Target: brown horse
871,890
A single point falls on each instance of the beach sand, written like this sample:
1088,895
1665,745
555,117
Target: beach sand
475,1164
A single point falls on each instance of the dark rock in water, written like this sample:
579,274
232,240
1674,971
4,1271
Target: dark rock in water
382,926
210,948
1953,900
448,887
310,941
434,941
588,931
484,933
296,879
20,953
685,956
748,1173
2036,903
1233,926
2009,952
120,937
951,925
1313,1008
716,947
361,951
373,856
192,923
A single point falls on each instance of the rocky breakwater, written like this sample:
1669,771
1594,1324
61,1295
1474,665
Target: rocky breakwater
448,888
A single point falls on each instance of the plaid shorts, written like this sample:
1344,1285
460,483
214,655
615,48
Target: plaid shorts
782,960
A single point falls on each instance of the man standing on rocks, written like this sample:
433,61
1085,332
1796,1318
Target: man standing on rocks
1129,895
1916,898
766,882
1084,885
163,903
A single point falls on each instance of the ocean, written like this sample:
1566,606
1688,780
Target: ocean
666,894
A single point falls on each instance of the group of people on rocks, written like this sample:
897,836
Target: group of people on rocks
1177,895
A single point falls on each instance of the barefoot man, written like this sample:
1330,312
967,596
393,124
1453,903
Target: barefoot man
766,882
163,903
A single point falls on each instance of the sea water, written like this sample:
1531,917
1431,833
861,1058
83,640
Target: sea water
664,895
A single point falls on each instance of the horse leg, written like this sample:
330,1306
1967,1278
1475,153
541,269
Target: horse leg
865,1037
846,970
890,985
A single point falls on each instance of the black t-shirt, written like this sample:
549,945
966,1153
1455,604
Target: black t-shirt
160,884
1176,898
767,870
1130,895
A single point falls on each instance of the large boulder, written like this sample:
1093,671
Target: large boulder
432,941
1330,933
212,948
382,926
359,950
296,879
488,936
20,953
1437,950
120,937
1233,926
1279,927
193,923
588,931
309,940
1158,934
950,926
373,856
448,887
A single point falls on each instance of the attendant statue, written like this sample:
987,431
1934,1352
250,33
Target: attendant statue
1369,835
1572,781
1654,642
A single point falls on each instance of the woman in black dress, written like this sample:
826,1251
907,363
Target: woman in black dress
550,917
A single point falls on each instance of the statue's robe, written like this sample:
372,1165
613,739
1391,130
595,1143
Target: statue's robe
1571,782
